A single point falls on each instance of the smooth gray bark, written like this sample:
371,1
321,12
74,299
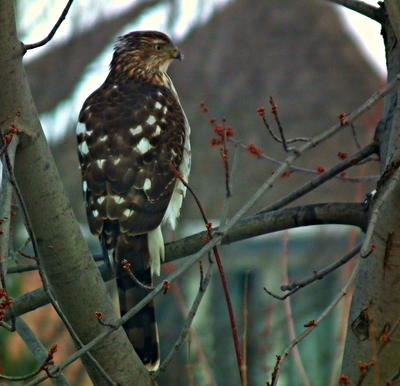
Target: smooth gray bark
64,255
376,302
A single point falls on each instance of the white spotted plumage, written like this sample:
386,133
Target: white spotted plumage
151,120
83,148
143,146
137,130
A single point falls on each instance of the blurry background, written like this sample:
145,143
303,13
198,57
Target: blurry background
317,61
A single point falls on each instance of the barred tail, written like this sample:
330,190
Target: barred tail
142,328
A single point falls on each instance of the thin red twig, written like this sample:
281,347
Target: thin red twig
45,366
224,281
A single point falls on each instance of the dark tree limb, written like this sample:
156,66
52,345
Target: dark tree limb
362,8
53,30
269,222
260,224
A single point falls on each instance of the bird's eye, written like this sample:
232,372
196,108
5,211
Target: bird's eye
158,47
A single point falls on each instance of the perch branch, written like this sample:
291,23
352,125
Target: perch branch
269,222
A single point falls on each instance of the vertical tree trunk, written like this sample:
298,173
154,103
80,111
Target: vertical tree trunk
376,302
64,255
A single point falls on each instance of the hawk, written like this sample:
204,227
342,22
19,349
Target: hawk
132,132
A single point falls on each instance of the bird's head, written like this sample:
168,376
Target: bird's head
144,52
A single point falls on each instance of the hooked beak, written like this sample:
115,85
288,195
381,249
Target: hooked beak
176,54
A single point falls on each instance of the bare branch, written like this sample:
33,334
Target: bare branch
53,30
362,8
37,348
224,280
317,275
188,322
252,149
325,176
289,314
282,139
310,327
48,361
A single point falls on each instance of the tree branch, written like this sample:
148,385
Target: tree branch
53,30
327,175
317,275
310,327
37,348
269,222
362,8
63,253
188,322
260,224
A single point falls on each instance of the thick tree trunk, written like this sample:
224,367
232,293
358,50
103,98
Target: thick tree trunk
376,302
64,256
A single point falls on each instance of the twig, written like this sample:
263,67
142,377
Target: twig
53,30
224,280
319,180
356,140
245,327
309,328
43,367
281,139
5,215
192,338
127,267
380,200
299,169
5,304
36,347
317,275
362,8
274,110
225,159
188,322
289,314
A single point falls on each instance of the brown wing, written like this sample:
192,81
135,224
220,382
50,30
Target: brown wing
129,135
